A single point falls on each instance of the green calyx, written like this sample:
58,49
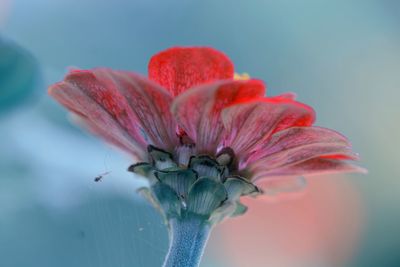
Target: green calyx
204,186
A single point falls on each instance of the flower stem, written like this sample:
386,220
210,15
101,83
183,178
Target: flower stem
188,238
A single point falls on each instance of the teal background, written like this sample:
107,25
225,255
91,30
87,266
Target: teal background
341,57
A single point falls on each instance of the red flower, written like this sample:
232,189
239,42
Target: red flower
191,96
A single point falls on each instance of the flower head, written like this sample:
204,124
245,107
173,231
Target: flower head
191,118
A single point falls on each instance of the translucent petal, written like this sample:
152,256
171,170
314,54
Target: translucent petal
316,166
181,68
249,125
198,110
119,106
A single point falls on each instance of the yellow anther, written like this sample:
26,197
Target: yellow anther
242,76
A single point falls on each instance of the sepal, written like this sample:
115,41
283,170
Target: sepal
202,188
168,200
237,186
240,209
179,180
144,169
207,167
205,196
160,158
224,211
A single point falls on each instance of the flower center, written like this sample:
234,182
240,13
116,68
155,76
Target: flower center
183,183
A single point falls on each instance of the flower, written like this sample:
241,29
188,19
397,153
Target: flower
190,118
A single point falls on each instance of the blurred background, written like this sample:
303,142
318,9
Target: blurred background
342,57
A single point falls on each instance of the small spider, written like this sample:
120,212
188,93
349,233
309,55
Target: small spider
99,177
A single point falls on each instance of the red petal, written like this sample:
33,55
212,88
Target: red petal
98,120
150,103
198,110
181,68
295,145
122,107
250,124
111,136
301,153
316,166
300,136
288,95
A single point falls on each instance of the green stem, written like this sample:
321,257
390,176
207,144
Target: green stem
189,236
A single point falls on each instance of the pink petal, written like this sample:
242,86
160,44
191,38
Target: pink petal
150,103
299,136
98,119
180,68
198,110
121,107
316,166
302,153
298,144
111,137
249,125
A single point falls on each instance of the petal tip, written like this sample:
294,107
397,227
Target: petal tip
180,68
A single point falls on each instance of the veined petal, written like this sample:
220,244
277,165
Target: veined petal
198,110
150,103
299,137
98,119
299,144
119,104
180,68
250,124
316,166
302,153
112,136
